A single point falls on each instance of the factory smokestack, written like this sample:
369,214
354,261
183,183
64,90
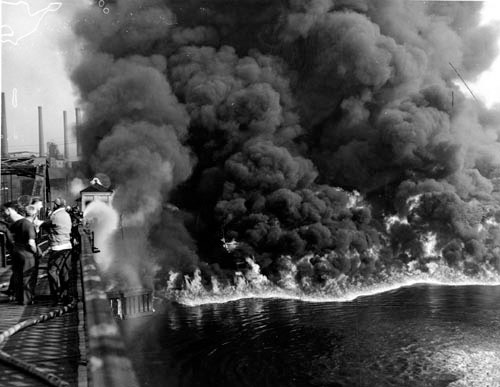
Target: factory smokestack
5,143
41,147
65,123
77,129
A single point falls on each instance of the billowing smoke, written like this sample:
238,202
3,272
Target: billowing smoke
259,123
102,220
76,186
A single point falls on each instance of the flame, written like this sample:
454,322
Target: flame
392,220
229,246
252,284
413,202
354,199
429,243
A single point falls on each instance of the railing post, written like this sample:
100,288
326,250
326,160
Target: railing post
3,249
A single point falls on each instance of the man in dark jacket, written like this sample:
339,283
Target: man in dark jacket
7,242
24,269
7,239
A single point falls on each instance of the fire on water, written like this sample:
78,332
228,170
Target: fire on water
254,285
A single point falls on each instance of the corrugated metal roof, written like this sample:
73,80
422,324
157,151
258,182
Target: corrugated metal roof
96,187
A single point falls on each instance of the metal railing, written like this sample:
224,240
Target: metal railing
107,363
131,303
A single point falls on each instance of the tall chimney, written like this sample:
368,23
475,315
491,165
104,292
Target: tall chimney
77,129
66,149
41,145
5,143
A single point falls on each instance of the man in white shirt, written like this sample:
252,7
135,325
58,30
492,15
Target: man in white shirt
59,256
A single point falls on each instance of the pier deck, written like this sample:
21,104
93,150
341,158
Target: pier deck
82,347
56,345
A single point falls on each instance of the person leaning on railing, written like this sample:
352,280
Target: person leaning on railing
58,227
7,241
24,250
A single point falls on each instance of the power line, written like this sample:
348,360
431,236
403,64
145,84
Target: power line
465,83
27,145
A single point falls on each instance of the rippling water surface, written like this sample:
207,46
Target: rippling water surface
423,335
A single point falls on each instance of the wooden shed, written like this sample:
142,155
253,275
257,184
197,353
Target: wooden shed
95,191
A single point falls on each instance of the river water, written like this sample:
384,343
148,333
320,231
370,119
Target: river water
421,335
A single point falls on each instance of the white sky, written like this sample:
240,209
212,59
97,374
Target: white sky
487,87
33,73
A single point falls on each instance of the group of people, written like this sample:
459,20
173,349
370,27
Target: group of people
22,227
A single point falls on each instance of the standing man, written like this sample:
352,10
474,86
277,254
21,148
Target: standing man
24,269
59,256
7,242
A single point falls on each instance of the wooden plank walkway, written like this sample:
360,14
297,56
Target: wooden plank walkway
56,345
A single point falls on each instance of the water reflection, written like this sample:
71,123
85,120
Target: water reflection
417,336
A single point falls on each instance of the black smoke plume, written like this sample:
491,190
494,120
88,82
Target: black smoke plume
295,127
